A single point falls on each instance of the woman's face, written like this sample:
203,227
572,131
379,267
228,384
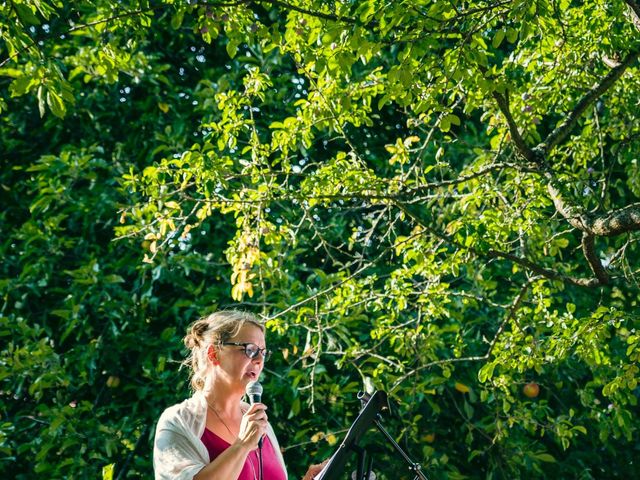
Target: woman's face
234,364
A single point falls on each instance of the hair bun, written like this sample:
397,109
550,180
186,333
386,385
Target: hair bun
194,338
191,341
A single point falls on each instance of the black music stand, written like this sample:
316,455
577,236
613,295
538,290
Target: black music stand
368,417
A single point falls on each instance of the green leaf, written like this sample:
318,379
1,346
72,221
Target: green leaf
25,14
176,20
512,35
55,103
232,48
445,123
486,372
545,457
20,86
497,38
107,471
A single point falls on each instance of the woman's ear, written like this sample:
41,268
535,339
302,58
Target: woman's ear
212,355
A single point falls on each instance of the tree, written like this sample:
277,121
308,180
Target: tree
439,199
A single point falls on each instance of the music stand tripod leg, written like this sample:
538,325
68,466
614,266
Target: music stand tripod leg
415,467
362,457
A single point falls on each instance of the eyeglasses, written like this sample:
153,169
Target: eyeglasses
251,350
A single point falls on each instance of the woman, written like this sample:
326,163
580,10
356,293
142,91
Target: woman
214,434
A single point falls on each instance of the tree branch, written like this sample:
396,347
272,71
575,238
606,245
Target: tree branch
131,13
589,249
634,10
607,224
320,293
496,254
80,27
610,224
535,268
513,308
472,11
561,132
324,16
122,471
503,105
124,14
510,315
420,189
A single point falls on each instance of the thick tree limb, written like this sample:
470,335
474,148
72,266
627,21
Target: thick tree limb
616,222
589,250
619,221
634,10
606,224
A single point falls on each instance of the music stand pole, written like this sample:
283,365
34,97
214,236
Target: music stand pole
412,465
334,470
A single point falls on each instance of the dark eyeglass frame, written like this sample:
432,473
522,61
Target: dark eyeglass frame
251,350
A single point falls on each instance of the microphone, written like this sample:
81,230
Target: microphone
254,392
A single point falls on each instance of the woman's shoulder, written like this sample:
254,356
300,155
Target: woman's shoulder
186,414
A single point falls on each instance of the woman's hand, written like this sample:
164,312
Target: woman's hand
253,426
314,470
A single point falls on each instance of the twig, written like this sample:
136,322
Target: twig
324,16
558,135
122,472
510,315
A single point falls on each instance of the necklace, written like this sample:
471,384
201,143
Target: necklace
253,470
221,420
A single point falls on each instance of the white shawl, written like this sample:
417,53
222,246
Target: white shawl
178,451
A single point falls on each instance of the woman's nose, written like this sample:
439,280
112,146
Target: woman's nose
258,358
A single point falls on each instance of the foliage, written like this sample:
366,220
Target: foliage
438,199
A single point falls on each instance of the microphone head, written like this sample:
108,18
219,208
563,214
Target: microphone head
254,392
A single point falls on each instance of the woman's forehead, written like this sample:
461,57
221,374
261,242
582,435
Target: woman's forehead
250,333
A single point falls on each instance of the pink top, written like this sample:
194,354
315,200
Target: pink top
271,467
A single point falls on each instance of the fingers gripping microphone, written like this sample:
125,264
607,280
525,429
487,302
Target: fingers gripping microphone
254,392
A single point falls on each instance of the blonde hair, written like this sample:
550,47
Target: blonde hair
214,329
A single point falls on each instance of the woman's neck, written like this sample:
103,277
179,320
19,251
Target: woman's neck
224,399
